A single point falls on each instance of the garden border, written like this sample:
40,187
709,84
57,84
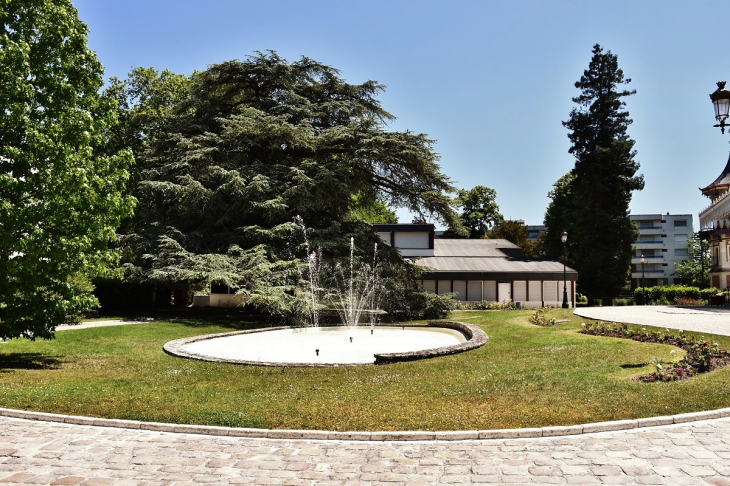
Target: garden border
379,436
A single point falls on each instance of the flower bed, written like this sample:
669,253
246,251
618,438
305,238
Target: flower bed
701,356
539,319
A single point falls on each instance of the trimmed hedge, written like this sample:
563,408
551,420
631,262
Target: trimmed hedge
668,293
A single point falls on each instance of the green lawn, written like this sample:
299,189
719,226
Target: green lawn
525,376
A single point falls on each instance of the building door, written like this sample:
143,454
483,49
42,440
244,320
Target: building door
504,291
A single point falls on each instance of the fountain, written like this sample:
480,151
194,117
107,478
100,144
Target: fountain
353,294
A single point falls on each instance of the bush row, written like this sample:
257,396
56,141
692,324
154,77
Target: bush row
669,294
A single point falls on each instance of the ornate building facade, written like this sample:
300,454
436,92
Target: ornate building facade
715,228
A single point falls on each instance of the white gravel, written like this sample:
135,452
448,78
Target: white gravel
712,320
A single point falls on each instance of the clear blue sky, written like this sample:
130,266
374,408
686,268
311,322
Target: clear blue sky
489,81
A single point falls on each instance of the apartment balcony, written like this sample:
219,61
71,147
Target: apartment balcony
648,274
649,245
648,259
650,230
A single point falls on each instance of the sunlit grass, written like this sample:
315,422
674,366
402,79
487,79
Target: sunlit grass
525,376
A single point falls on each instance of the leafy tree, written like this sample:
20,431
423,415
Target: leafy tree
259,142
516,232
60,199
144,100
372,211
600,231
695,271
479,212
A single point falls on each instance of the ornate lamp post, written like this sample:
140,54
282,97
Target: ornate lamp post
564,238
721,99
643,290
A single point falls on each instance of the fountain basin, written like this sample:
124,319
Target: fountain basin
331,346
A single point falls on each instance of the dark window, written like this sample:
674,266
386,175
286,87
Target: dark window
218,289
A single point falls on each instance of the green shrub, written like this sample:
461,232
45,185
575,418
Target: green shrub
656,293
484,305
436,306
706,293
670,294
639,292
623,302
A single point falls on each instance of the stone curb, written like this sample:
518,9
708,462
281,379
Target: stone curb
379,436
476,338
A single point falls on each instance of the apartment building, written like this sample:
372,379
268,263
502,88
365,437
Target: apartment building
664,242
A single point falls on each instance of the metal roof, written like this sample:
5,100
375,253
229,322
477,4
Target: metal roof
472,248
489,264
723,181
488,258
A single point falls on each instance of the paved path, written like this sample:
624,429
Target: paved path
48,453
712,320
111,322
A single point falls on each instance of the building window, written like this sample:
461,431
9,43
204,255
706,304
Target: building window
681,252
680,223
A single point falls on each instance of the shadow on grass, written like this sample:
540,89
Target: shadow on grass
200,317
232,324
28,361
631,365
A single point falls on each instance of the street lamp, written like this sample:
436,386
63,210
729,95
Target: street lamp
721,99
564,238
643,290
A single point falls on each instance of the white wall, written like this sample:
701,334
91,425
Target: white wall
475,290
520,291
490,290
460,289
411,240
444,286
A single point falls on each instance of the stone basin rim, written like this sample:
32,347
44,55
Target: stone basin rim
475,338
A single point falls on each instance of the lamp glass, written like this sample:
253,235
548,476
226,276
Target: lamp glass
564,236
642,256
722,108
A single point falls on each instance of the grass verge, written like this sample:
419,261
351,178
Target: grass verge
525,376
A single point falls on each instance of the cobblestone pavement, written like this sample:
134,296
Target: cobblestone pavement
49,453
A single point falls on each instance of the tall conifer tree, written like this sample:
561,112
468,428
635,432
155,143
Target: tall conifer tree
600,231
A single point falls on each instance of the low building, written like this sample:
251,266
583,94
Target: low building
475,270
663,241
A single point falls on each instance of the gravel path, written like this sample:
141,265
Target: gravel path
712,320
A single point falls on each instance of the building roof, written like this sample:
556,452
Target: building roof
721,183
488,260
472,248
491,264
